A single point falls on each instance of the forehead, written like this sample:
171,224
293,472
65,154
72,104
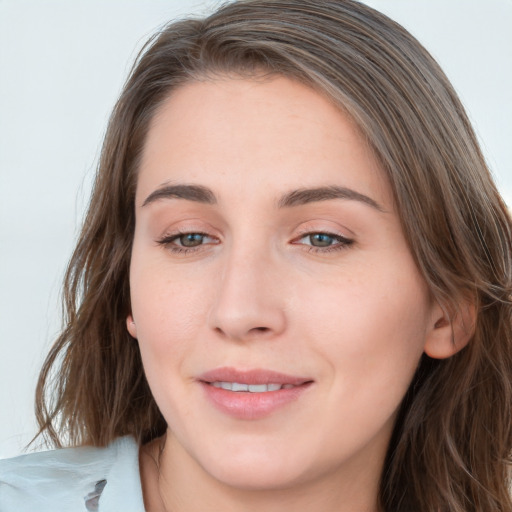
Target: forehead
270,135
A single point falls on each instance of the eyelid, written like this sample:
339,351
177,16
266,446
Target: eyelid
331,234
311,228
343,242
167,240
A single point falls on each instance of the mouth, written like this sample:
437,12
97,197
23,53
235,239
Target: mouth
250,388
253,394
251,381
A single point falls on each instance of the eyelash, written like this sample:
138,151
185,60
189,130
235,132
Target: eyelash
341,242
168,242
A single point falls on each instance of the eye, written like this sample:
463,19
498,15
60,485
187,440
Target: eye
320,240
186,242
190,239
324,241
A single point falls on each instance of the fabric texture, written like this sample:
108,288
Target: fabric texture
84,479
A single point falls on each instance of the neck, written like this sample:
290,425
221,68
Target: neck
171,480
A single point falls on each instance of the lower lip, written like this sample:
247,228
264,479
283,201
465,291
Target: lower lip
252,406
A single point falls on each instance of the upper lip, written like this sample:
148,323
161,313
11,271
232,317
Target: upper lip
255,376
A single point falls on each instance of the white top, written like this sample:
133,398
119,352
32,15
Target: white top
85,479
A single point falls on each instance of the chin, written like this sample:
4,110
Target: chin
257,479
257,469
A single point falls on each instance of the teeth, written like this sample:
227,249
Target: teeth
258,388
251,388
239,387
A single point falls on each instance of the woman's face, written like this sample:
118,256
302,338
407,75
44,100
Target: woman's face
268,253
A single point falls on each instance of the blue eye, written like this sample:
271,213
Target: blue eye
186,242
190,239
321,240
324,241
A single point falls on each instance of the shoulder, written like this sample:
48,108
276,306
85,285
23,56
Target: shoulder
73,479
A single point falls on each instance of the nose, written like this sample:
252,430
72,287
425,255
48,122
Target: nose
249,302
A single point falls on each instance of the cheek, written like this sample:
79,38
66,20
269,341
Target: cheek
371,323
370,331
168,315
168,311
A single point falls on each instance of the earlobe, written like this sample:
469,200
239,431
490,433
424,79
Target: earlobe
130,325
450,333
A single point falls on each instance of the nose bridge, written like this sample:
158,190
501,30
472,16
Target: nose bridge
248,303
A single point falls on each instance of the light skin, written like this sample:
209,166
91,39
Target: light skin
267,237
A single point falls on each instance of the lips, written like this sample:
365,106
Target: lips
257,376
253,394
250,388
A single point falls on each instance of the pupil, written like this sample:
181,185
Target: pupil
321,240
191,240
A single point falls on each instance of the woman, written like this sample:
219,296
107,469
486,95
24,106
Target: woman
292,287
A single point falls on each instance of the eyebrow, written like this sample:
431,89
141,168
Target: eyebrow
196,193
201,194
312,195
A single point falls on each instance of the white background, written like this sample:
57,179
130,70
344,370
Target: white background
62,65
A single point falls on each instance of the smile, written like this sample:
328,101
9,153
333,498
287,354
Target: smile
251,388
252,394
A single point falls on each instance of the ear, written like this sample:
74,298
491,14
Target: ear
130,325
449,333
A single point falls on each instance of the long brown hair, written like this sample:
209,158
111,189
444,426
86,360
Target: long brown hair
451,445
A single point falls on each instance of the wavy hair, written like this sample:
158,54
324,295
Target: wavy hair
450,449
